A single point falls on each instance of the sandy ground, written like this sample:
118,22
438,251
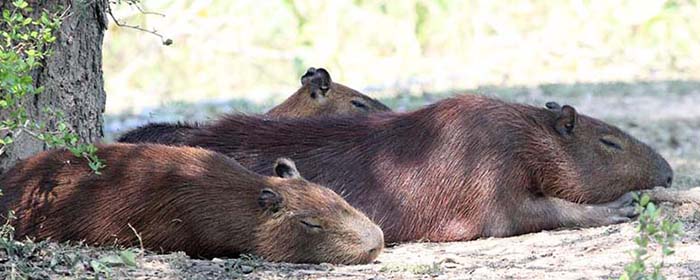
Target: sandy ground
665,117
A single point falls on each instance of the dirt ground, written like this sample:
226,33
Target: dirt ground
665,114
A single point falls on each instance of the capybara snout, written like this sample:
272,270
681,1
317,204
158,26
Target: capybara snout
665,173
186,199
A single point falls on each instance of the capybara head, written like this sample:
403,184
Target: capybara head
305,222
319,96
594,161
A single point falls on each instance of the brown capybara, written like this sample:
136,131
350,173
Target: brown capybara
318,96
186,199
462,168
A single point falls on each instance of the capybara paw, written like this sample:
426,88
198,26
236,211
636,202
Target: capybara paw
623,201
621,215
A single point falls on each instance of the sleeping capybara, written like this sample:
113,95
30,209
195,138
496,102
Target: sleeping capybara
186,199
318,96
459,169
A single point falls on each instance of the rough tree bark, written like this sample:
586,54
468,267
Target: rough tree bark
72,76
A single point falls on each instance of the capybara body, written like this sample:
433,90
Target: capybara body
317,96
459,169
185,199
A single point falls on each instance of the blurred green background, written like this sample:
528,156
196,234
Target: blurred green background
255,51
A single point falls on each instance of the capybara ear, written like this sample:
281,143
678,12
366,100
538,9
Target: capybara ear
319,81
270,200
551,105
566,121
285,168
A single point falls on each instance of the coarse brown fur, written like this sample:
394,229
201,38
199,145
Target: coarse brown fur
318,96
160,133
185,199
459,169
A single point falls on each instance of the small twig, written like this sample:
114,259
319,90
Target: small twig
139,237
147,12
166,42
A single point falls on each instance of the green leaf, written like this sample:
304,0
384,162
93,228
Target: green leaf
99,268
128,258
644,200
21,4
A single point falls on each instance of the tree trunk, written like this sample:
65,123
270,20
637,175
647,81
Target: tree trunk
71,76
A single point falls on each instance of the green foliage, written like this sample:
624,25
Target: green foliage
652,228
103,266
24,44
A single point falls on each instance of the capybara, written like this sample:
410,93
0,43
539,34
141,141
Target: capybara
186,199
459,169
318,96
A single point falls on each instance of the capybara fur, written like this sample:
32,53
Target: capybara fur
318,96
186,199
459,169
160,133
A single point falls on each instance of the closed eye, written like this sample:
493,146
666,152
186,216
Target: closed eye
611,144
359,105
311,225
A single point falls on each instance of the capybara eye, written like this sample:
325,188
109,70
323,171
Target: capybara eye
311,224
611,144
359,105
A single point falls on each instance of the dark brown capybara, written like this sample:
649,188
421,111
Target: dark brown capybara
318,96
186,199
459,169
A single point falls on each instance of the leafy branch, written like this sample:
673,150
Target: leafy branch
24,44
652,228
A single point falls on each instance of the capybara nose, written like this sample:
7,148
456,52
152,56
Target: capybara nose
667,178
669,181
375,242
374,250
665,174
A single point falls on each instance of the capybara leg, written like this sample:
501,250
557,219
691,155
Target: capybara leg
543,213
569,214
